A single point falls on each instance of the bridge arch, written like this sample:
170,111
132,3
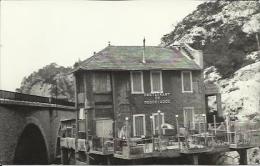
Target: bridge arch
31,147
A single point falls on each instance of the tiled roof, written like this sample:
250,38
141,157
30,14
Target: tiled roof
130,58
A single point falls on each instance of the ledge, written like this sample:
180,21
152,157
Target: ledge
34,104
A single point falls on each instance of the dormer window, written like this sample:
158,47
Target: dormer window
156,82
137,82
186,80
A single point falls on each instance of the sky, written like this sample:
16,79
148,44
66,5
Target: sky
37,33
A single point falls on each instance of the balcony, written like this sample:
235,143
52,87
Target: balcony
192,139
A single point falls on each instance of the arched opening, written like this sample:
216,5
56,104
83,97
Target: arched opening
31,147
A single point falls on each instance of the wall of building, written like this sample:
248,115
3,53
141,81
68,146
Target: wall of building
127,104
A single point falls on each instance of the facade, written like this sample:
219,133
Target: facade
137,102
118,89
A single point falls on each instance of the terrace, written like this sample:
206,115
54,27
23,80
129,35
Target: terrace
199,137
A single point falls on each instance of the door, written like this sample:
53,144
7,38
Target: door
139,125
188,117
104,128
155,123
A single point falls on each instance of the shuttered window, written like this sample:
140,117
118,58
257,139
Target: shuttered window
188,114
156,122
80,83
186,77
101,82
137,82
139,125
156,81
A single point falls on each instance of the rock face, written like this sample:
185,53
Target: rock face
240,96
50,81
241,92
226,31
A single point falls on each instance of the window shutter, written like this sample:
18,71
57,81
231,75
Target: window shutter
188,117
101,82
155,118
137,82
186,80
156,81
139,124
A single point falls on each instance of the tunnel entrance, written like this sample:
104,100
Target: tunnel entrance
31,147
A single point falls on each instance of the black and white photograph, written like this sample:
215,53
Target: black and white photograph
129,82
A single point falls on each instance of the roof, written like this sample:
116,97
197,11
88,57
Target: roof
130,58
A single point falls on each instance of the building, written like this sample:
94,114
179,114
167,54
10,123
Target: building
141,102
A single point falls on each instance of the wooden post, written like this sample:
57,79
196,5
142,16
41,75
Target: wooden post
195,159
108,160
159,130
151,121
77,115
219,105
243,156
86,117
205,128
115,132
178,134
127,139
199,128
215,125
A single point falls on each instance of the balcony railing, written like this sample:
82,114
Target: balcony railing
102,145
188,139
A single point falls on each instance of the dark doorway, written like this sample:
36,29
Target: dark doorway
31,147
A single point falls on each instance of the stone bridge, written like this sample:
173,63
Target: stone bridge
29,127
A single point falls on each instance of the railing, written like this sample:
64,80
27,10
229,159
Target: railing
33,98
244,134
103,145
137,146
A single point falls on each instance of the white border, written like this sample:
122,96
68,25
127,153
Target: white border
182,86
137,115
184,117
142,82
151,82
153,115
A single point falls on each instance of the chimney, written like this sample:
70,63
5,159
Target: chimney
144,51
108,43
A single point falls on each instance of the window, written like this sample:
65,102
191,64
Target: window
188,114
139,125
137,82
156,81
155,123
186,79
80,83
101,82
81,113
